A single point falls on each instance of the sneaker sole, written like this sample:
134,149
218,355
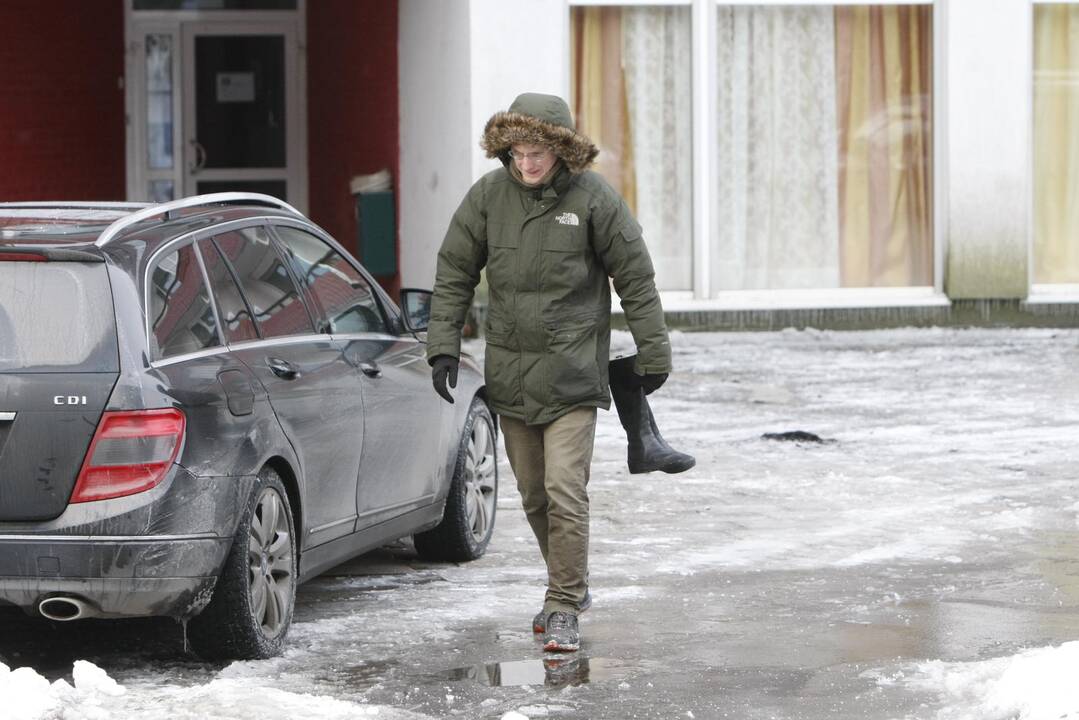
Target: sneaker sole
556,647
671,468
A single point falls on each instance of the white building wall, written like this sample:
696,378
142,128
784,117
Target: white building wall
519,46
986,123
436,132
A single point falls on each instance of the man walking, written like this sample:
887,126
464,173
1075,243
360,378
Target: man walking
550,233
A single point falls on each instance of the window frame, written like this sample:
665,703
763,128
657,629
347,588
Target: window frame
194,237
706,167
1041,293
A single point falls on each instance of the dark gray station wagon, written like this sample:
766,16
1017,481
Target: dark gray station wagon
206,402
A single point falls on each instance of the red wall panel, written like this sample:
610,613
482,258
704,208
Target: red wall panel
62,118
352,95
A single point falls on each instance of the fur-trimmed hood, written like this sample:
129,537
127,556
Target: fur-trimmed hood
535,119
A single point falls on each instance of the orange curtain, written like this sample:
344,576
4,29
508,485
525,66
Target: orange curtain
884,103
1056,144
598,92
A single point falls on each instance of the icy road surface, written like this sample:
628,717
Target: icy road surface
921,563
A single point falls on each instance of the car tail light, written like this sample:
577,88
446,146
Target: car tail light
130,453
22,257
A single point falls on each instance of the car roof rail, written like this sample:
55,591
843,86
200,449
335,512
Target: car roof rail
166,209
74,205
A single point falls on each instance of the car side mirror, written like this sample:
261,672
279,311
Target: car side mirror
416,305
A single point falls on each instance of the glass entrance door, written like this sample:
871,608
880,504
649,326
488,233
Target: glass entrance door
240,117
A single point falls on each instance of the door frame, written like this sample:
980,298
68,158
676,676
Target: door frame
184,24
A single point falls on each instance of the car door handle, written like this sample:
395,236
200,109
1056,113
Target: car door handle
370,369
282,368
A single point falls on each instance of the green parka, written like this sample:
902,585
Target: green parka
548,252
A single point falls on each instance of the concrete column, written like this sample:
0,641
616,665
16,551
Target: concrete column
459,63
985,116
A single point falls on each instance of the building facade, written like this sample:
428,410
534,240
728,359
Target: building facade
779,154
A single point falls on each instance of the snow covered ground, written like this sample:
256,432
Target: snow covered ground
920,563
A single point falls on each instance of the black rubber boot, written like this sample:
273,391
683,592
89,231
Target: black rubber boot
648,451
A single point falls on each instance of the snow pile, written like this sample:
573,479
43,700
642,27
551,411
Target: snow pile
29,696
26,694
96,696
1035,684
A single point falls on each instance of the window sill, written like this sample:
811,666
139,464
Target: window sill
1056,294
807,299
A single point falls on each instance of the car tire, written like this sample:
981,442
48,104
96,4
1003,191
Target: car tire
469,518
251,609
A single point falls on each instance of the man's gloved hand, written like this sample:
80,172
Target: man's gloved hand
652,382
444,367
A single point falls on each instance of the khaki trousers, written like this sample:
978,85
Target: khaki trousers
552,464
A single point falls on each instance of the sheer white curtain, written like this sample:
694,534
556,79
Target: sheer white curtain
778,177
658,72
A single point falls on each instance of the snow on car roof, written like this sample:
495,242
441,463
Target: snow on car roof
18,222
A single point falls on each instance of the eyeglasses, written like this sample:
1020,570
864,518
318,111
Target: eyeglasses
533,156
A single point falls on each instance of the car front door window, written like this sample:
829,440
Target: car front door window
345,297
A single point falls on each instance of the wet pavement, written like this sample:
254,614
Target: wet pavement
777,579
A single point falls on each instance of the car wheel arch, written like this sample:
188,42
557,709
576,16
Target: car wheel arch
292,487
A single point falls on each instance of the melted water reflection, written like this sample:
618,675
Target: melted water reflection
552,671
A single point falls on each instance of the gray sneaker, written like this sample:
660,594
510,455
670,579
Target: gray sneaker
539,623
561,634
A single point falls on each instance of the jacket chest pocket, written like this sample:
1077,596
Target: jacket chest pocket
567,256
503,240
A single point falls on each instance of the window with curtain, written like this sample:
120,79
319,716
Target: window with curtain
631,94
825,147
1056,143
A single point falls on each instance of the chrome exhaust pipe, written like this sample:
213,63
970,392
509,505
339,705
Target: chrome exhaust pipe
64,608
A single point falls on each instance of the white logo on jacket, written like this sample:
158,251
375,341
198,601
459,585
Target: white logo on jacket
568,218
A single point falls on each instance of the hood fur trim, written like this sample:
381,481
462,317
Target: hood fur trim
506,129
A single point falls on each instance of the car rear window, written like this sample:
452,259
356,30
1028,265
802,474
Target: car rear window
56,317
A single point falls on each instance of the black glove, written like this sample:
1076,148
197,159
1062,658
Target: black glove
652,382
443,367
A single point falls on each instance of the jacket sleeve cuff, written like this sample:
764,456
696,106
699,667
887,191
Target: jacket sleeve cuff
653,358
448,347
654,368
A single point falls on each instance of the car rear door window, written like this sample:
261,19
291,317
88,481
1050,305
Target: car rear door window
181,315
266,283
344,296
234,312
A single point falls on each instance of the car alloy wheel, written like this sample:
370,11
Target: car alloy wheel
270,558
481,480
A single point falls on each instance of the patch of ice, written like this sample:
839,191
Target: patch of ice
514,715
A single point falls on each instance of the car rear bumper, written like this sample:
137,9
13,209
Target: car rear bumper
113,576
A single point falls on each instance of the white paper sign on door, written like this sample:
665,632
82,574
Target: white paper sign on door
235,87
